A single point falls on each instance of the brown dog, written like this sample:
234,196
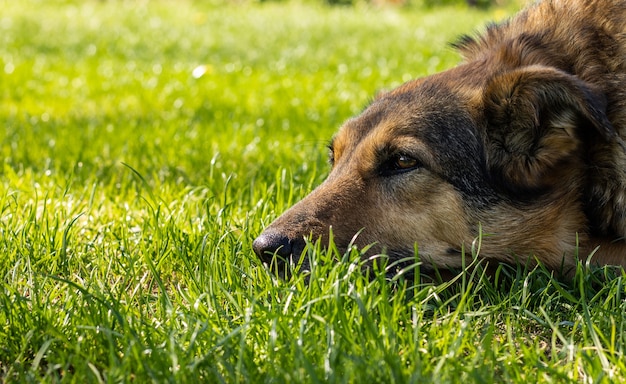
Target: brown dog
522,141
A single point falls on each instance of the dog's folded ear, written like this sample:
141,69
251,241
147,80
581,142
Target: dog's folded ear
537,118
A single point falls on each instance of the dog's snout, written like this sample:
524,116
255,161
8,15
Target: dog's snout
271,243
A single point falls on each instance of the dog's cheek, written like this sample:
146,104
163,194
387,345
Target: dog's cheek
425,211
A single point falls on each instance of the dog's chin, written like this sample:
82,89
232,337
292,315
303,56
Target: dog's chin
396,262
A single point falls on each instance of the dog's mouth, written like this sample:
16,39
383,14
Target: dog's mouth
283,257
279,266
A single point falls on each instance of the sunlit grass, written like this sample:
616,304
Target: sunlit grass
145,145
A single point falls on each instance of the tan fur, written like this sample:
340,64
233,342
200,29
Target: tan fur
523,140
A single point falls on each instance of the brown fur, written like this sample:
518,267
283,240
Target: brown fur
522,140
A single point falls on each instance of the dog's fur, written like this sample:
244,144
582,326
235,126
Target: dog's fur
523,141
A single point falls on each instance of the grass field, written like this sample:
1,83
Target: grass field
145,145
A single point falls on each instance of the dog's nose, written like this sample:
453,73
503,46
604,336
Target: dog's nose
271,243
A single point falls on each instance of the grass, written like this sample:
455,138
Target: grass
146,144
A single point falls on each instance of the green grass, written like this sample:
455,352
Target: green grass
131,190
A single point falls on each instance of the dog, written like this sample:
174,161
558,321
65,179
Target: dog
520,146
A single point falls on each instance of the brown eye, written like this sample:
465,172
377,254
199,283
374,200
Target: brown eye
403,162
399,164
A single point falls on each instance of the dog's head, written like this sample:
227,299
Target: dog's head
431,162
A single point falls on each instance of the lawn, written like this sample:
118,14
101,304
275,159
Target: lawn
144,146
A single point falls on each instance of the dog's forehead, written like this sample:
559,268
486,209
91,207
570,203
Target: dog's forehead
416,109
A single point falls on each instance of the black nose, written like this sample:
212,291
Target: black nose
271,243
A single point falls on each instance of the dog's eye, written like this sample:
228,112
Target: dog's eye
400,163
404,162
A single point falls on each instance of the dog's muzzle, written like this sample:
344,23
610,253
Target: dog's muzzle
272,245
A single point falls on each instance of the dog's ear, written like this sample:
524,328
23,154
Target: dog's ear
537,117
